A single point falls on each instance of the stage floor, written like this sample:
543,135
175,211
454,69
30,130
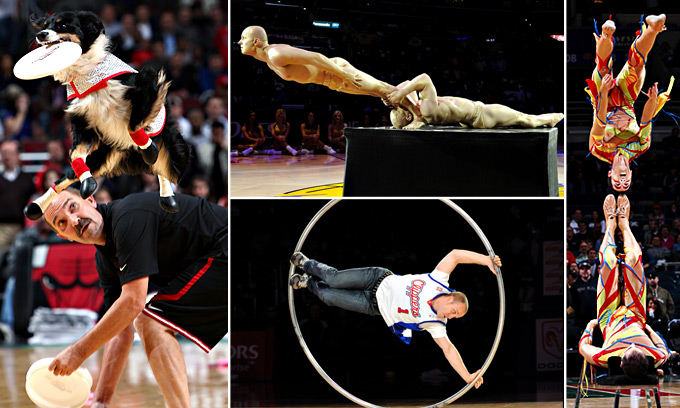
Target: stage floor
318,175
669,394
208,382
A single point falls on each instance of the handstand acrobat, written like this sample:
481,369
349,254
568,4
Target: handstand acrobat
615,136
451,110
621,311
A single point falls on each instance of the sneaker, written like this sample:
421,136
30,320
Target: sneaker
298,259
298,281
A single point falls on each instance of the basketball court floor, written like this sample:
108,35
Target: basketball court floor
207,373
309,175
669,395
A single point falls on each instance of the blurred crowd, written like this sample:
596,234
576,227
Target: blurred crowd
186,38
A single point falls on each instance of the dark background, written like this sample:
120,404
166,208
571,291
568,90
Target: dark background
359,352
495,52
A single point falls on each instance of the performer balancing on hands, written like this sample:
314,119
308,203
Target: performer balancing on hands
406,303
451,110
615,136
621,312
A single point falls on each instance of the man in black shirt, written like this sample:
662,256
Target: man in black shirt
184,253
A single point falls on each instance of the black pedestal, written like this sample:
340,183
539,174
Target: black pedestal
447,161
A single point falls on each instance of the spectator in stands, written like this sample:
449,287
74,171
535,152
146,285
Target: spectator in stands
213,158
596,223
655,318
572,243
675,229
593,261
127,38
311,131
673,211
654,290
651,231
575,220
6,71
102,195
585,289
177,113
186,27
209,74
582,255
183,76
336,132
657,214
143,18
656,253
279,130
108,16
16,188
254,134
168,32
671,181
666,239
16,119
201,186
196,118
215,110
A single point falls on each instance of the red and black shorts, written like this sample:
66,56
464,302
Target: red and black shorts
195,303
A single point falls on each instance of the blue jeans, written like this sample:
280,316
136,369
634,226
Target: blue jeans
350,289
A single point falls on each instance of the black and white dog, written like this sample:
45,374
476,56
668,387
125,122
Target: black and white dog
118,115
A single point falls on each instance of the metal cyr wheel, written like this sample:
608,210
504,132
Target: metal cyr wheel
320,370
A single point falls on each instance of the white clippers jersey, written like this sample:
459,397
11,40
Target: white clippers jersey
405,301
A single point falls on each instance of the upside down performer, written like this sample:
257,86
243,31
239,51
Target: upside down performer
406,303
615,136
621,312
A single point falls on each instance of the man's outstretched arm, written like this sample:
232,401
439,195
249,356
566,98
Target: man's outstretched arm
456,361
460,256
422,83
287,55
585,346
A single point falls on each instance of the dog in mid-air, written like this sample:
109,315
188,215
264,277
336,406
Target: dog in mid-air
118,115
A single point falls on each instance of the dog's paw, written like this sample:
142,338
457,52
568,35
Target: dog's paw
150,154
169,204
33,211
87,187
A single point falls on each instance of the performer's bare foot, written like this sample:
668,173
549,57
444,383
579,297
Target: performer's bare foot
608,29
623,207
656,23
609,207
554,118
605,43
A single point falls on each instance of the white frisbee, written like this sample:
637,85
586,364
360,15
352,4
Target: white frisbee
44,61
47,390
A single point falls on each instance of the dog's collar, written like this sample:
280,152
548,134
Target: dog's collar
110,67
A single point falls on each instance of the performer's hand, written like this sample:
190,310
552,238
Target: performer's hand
352,79
395,97
472,376
591,325
607,83
653,92
66,362
493,263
